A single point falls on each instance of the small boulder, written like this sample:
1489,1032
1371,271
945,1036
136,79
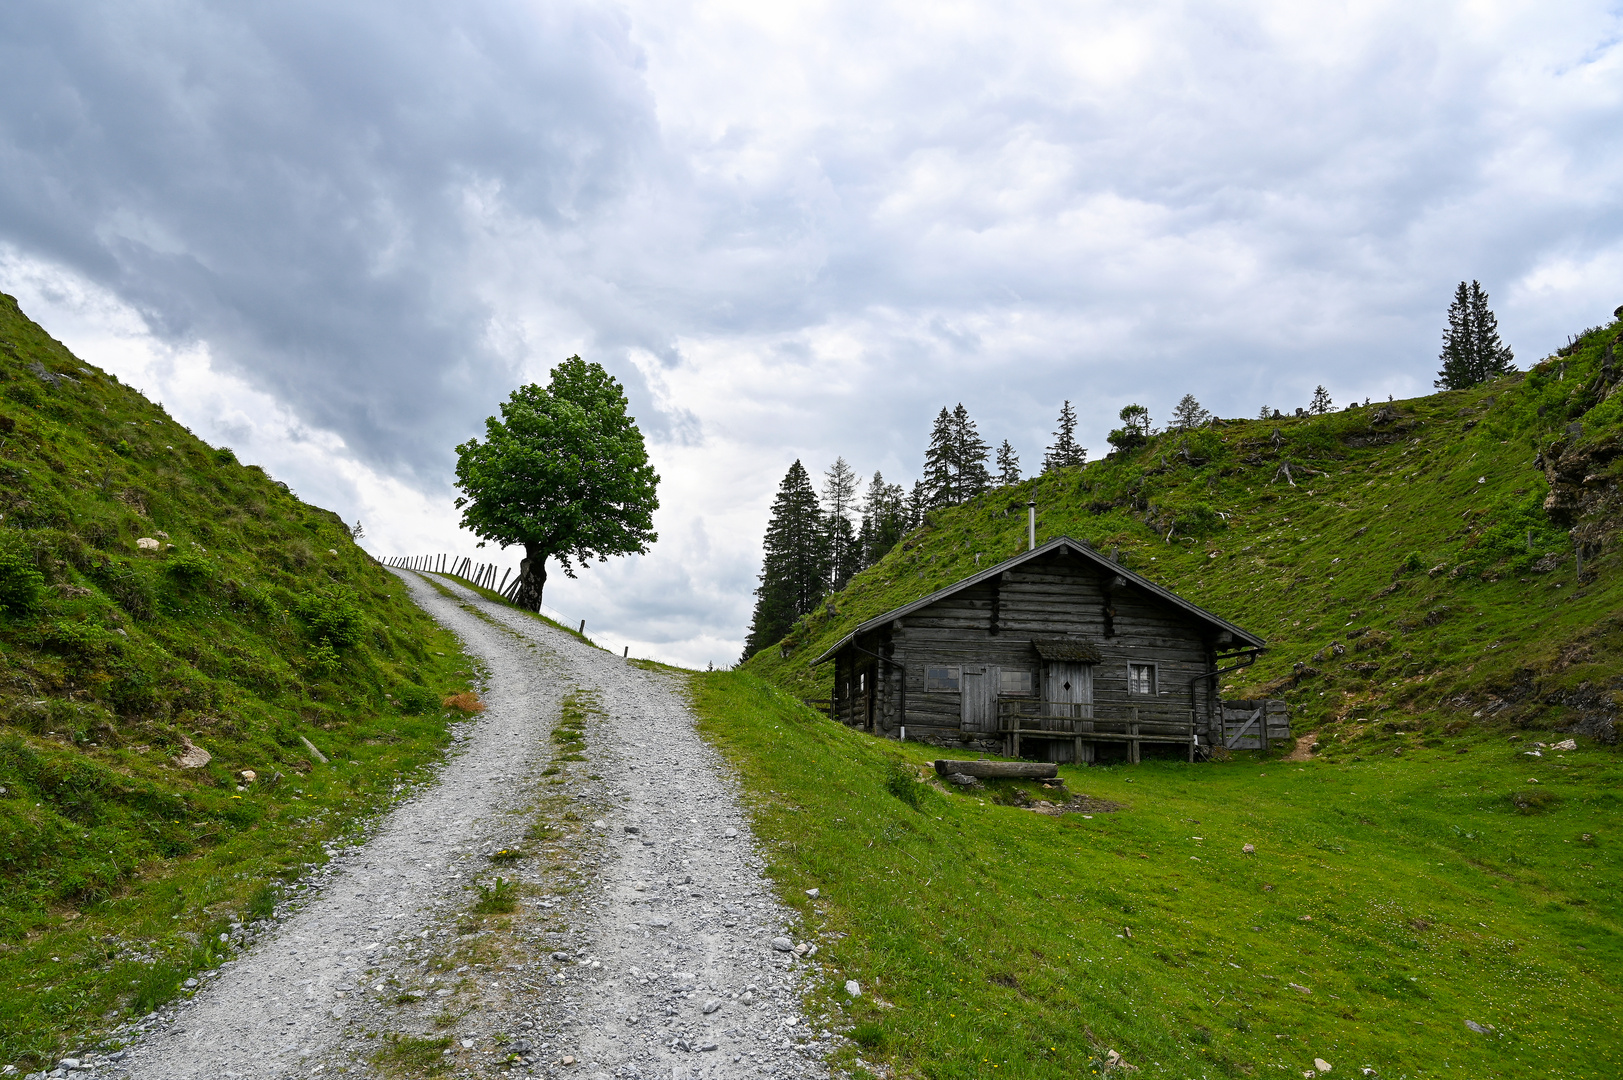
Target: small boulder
1322,1065
813,893
1566,744
1249,849
147,543
192,756
782,944
853,988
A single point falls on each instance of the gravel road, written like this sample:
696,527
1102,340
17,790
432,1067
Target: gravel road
646,943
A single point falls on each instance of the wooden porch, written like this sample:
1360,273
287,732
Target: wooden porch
1087,725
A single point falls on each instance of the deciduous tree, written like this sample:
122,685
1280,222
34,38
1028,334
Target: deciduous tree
563,473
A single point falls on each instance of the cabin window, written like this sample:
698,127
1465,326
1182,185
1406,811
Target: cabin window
1141,678
941,679
1014,682
862,682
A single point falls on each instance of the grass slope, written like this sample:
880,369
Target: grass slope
1411,573
257,624
1387,903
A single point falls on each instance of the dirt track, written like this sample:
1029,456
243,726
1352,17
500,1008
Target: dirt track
644,949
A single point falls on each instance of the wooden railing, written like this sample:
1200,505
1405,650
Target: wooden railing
1087,725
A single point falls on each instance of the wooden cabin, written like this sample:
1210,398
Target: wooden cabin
1060,654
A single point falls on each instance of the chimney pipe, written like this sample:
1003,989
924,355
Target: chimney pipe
1031,525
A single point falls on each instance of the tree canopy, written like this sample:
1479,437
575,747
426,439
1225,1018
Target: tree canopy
955,461
563,473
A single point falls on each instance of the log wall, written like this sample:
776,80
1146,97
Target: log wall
995,622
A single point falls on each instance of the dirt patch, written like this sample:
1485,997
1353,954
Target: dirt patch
1303,750
1079,804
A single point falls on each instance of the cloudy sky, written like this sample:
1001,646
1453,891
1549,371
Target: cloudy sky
335,235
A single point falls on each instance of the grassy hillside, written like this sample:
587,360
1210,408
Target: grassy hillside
248,624
1418,565
1430,889
1388,906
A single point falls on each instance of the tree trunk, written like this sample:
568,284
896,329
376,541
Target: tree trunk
1000,770
532,578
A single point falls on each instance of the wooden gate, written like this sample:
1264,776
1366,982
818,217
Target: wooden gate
1254,725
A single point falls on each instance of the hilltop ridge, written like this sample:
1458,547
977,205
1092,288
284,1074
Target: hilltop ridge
1449,558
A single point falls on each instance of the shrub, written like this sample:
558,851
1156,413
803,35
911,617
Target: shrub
82,640
129,585
190,569
901,782
332,616
324,659
20,581
416,700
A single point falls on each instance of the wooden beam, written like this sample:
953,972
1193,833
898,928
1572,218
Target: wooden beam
999,770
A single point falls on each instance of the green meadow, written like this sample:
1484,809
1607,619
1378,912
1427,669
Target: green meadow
1389,903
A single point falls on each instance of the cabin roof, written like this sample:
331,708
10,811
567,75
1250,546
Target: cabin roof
1086,551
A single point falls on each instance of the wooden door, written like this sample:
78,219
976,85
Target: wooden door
1068,687
977,686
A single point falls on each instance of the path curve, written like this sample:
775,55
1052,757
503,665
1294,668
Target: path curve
670,969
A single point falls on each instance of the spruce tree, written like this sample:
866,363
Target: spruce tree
1472,352
1008,465
839,500
1065,452
1321,401
940,474
918,501
884,520
969,453
1188,414
794,563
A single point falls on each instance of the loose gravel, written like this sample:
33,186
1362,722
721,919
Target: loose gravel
646,943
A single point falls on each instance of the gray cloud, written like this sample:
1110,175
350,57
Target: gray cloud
298,184
799,232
